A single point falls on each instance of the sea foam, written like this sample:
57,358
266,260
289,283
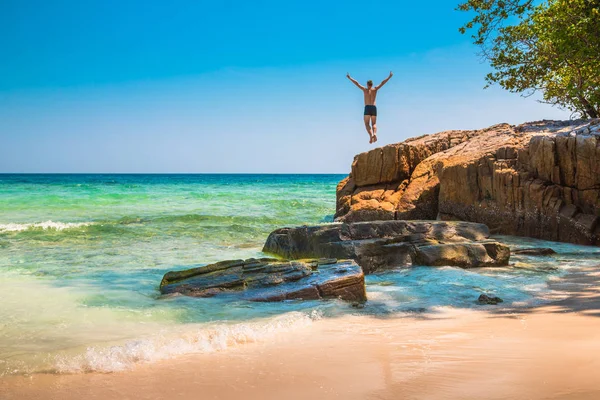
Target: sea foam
203,339
59,226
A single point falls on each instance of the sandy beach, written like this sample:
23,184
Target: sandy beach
549,352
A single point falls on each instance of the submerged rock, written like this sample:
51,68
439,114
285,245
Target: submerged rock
539,179
269,279
493,300
543,251
387,244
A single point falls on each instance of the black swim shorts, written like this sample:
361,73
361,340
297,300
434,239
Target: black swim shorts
371,110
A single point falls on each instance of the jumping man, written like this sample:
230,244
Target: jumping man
370,115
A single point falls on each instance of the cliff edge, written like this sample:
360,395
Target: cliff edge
539,179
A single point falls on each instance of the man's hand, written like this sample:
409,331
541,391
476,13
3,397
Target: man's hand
348,75
391,74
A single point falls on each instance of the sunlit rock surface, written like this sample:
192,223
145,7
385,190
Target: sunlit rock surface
539,179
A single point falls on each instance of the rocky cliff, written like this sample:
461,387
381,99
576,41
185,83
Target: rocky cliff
539,179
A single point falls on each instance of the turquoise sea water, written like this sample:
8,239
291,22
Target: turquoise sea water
81,257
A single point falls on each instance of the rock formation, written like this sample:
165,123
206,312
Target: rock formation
268,279
387,244
543,251
539,179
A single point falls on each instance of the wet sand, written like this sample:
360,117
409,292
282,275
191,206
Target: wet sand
550,352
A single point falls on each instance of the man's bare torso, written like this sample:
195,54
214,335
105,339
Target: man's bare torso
370,94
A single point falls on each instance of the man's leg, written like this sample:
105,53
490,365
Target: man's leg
374,124
368,127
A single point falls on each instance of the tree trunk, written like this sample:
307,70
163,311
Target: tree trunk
589,109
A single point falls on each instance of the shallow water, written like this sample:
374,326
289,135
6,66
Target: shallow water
81,257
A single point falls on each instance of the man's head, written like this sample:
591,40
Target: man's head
369,83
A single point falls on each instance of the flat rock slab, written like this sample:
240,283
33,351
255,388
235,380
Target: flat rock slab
379,245
269,279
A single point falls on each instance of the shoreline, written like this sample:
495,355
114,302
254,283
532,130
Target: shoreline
544,352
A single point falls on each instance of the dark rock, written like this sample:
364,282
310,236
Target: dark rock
387,244
269,279
544,251
485,299
465,255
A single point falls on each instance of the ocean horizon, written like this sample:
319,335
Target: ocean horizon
173,173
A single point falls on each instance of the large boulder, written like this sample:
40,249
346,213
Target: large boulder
540,179
380,245
268,279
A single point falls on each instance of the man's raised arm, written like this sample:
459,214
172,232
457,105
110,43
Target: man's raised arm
383,82
354,81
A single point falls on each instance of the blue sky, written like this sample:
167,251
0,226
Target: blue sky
232,86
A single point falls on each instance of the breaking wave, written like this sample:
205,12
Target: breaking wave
204,339
58,226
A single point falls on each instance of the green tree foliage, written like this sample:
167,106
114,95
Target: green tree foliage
552,47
